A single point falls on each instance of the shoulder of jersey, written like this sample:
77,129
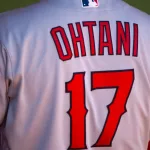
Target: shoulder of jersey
19,16
138,15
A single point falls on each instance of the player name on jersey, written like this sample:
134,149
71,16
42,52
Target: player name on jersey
124,38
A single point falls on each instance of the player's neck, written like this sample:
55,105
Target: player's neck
78,3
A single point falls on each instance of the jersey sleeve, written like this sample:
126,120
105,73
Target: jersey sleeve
4,82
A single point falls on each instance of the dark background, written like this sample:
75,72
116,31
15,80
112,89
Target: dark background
6,5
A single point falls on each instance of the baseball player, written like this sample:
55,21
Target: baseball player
75,74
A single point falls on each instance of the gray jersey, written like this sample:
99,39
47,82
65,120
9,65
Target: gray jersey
76,75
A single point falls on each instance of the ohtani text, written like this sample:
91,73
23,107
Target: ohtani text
76,47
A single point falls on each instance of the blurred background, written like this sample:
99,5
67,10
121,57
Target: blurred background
6,5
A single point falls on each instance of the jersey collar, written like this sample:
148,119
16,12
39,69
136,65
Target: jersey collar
77,4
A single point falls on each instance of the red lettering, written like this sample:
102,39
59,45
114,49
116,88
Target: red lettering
105,30
135,40
54,32
77,39
90,25
123,38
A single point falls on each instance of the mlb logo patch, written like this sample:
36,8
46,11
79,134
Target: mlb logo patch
90,3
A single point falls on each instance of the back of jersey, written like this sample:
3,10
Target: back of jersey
77,75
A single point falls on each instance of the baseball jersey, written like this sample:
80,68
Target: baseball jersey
76,75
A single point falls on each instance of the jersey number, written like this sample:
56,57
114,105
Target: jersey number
122,81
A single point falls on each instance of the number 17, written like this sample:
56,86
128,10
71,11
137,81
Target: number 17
122,81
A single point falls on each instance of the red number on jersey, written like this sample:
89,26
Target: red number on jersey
122,81
77,112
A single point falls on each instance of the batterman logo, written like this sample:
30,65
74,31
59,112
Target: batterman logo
90,3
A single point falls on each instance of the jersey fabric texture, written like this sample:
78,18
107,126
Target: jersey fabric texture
75,77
